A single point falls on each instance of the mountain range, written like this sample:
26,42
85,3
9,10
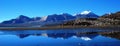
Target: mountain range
50,19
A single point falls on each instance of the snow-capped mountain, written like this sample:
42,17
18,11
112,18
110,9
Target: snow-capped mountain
87,14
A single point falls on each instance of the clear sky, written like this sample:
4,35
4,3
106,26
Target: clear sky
13,8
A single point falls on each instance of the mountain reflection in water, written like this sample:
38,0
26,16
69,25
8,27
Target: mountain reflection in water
55,38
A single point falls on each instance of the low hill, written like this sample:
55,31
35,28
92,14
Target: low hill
112,16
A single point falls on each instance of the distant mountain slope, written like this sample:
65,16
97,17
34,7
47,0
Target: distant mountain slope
112,15
55,17
20,19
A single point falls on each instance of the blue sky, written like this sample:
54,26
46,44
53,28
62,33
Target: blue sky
13,8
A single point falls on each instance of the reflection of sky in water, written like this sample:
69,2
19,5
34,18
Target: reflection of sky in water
1,32
13,40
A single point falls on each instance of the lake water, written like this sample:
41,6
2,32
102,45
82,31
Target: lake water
61,37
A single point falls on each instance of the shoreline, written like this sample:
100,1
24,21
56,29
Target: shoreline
57,27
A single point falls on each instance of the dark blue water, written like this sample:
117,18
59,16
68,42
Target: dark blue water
63,37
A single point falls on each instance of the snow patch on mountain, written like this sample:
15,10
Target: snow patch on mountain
85,12
44,18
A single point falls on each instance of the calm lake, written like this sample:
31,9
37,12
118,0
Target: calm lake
61,37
